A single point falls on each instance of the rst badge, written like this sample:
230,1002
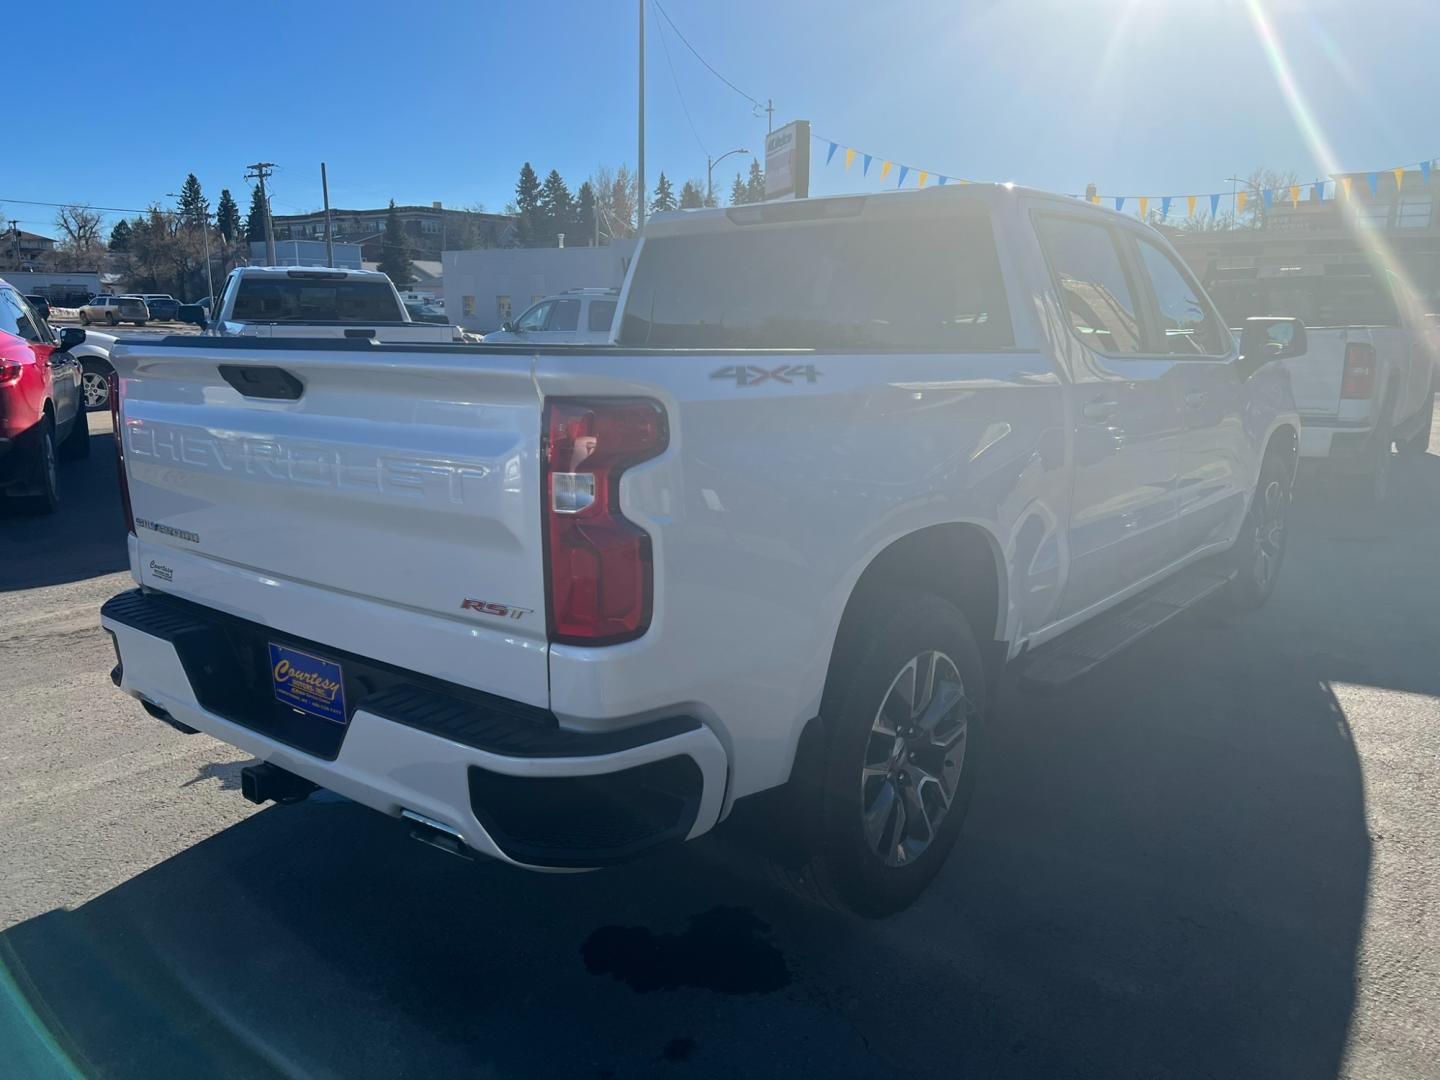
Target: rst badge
753,375
489,607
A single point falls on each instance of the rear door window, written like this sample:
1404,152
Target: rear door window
601,315
565,315
883,285
1093,285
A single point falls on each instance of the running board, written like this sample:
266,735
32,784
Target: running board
1081,650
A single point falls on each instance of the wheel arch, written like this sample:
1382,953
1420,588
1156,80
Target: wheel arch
1285,441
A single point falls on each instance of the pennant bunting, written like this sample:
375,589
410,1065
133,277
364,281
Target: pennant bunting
1241,198
1268,197
1119,202
866,170
1399,175
1095,199
830,153
1294,195
1317,191
1165,206
1374,179
884,169
1425,171
849,157
1214,206
942,180
1190,205
920,180
904,169
1144,207
1345,182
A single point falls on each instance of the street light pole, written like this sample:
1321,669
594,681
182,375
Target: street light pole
710,164
640,171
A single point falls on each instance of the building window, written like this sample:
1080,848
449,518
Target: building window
467,305
502,308
429,225
1414,213
1373,216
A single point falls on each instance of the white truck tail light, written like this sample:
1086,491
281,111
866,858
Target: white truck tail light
599,575
115,386
1359,378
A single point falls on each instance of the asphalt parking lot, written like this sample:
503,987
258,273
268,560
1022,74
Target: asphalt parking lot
1217,856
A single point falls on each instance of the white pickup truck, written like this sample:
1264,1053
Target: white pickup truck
845,459
312,302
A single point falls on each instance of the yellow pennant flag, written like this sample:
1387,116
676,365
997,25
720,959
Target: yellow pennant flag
1095,199
923,177
1241,198
849,156
964,181
1294,195
1399,177
1345,182
1144,207
1190,205
884,169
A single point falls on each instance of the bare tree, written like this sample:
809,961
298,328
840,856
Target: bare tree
80,233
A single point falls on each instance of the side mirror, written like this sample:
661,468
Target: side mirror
1267,337
507,327
193,314
71,336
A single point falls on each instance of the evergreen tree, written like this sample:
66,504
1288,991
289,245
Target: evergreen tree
527,204
738,195
255,220
585,215
192,202
755,183
692,195
120,236
395,250
227,217
556,209
664,196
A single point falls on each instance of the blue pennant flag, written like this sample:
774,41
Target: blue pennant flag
1269,196
1165,207
1317,191
1425,171
1119,202
943,179
1374,179
1214,205
830,153
866,170
903,170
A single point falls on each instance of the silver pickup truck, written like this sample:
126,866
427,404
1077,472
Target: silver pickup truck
312,302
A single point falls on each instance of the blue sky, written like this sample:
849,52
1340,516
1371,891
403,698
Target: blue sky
444,100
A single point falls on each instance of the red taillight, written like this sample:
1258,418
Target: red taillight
598,570
10,370
120,453
1359,380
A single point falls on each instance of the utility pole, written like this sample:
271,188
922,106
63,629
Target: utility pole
769,116
640,173
263,169
325,190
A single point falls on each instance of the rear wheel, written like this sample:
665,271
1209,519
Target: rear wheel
95,386
1258,553
139,322
84,319
110,318
1419,443
1371,486
903,729
46,472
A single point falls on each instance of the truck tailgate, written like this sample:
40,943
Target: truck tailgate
1316,376
385,502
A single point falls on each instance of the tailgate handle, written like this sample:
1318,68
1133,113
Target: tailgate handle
359,333
274,383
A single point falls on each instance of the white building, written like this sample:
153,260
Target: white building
486,287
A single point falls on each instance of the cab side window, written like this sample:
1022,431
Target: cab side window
565,316
1090,276
1188,323
534,319
601,315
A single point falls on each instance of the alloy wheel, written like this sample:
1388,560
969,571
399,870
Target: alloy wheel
96,388
1270,531
914,758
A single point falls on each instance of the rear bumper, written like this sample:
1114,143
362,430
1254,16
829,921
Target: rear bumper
1328,437
505,777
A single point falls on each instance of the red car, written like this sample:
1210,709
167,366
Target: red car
42,418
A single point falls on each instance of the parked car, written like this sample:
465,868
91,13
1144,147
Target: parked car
95,370
297,302
847,460
115,310
41,417
39,305
425,313
162,306
575,317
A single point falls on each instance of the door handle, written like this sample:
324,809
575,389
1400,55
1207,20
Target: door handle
1195,398
1100,410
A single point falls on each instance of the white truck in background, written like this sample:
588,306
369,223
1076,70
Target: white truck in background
845,459
312,302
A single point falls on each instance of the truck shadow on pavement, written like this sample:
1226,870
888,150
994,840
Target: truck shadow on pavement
1164,874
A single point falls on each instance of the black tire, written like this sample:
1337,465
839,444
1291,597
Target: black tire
46,476
1419,443
95,385
848,870
110,318
84,319
77,444
1371,486
1259,552
139,322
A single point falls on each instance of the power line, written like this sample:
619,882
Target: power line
702,60
665,44
86,206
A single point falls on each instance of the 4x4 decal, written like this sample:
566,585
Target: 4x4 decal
751,375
